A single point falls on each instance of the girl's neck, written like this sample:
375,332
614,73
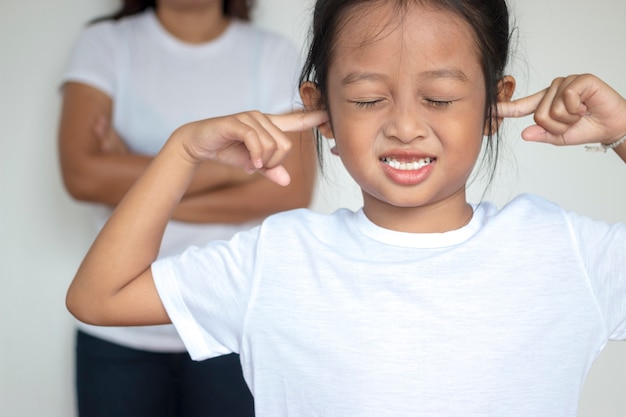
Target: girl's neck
444,216
194,25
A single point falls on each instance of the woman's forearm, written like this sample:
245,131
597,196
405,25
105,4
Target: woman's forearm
95,162
245,202
106,178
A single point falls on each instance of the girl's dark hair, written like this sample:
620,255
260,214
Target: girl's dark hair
239,9
489,20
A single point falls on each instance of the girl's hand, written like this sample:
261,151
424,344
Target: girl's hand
252,140
574,110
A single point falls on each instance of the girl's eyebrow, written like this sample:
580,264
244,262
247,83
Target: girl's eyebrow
453,73
355,77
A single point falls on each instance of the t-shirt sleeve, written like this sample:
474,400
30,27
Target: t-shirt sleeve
279,73
94,58
206,290
603,252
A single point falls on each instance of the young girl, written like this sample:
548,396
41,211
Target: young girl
419,304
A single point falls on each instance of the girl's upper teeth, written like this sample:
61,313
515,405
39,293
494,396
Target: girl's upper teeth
407,166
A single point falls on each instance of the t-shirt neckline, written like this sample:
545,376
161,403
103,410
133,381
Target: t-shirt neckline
215,44
421,240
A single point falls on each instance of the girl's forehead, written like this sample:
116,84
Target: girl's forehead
418,23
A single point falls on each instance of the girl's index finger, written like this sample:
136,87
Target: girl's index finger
521,107
299,121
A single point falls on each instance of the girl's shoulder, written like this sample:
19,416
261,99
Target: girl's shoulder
309,218
531,203
536,213
309,223
522,209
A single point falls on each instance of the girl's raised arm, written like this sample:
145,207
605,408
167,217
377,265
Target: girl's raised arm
578,109
114,285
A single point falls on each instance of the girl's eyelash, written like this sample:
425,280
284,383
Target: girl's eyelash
434,103
439,103
366,104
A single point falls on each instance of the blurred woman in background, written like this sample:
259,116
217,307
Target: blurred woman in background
133,78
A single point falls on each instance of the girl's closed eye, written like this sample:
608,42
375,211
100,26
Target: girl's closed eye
367,103
438,103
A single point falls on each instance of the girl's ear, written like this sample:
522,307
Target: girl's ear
506,88
312,99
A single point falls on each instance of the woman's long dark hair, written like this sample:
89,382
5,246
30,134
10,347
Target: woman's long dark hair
239,9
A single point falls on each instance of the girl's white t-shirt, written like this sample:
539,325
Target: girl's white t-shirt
335,316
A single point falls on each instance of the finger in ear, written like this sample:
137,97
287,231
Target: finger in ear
506,88
312,99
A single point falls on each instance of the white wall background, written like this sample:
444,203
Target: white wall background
43,234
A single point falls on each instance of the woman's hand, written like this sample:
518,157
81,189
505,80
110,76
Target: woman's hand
574,110
108,139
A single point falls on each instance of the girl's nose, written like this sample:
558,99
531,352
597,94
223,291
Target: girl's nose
406,124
